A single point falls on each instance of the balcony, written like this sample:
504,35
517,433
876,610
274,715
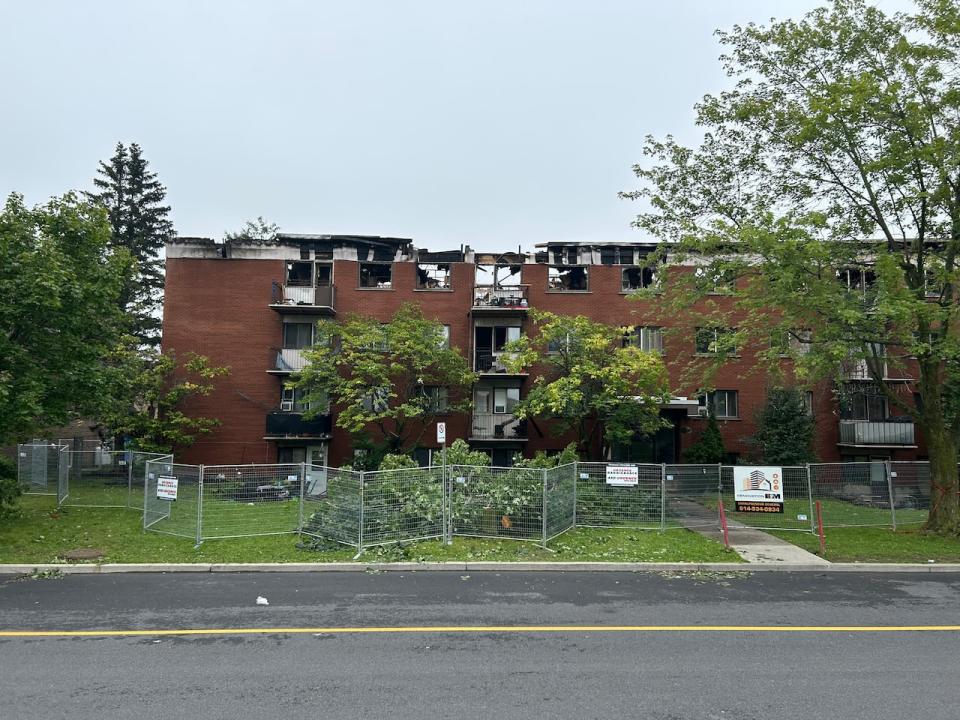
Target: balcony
288,361
284,425
492,364
867,433
488,426
498,301
303,299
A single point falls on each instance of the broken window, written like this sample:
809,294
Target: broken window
376,275
433,276
617,256
377,400
857,279
638,278
567,279
300,274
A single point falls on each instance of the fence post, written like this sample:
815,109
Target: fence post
893,512
146,488
813,521
303,482
663,497
543,512
360,526
200,508
719,493
576,480
129,458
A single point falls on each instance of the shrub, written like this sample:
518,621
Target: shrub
9,489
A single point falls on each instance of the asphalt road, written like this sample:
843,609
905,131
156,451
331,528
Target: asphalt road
481,673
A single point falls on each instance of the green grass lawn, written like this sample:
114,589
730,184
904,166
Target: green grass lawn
836,514
871,544
41,534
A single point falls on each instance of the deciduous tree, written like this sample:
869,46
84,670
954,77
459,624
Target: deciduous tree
387,380
60,281
828,181
590,384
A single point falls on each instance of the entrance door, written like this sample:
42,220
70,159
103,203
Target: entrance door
317,454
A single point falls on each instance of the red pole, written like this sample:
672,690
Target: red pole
823,544
723,525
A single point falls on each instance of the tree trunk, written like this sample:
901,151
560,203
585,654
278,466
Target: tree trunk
944,517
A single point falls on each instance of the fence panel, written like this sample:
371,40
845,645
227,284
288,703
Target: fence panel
603,502
402,505
560,502
107,478
63,474
691,496
497,502
332,504
852,494
245,500
797,506
38,468
910,482
172,517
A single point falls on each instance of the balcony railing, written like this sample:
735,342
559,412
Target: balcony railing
298,296
484,362
488,426
500,298
290,360
283,424
866,432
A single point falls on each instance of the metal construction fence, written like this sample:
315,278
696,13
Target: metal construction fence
93,477
365,509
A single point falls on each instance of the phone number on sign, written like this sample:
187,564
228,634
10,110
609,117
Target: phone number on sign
759,507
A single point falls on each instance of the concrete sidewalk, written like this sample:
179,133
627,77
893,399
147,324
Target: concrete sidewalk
754,546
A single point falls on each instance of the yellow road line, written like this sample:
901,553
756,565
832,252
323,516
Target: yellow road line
485,629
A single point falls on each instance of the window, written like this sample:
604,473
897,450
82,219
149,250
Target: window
433,276
647,338
437,399
636,278
297,336
445,343
722,403
715,279
376,275
291,455
377,400
500,401
564,256
794,342
504,400
567,279
489,344
862,404
324,274
294,400
714,341
617,256
499,275
808,402
861,279
300,274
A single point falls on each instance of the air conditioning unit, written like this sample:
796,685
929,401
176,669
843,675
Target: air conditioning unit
703,412
286,406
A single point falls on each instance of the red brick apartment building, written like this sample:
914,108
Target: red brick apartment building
252,305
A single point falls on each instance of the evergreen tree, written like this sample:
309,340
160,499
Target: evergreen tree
708,450
133,199
784,429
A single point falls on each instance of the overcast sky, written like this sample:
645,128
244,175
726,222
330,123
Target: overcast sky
493,123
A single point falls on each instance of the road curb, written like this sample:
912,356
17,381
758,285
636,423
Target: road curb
109,568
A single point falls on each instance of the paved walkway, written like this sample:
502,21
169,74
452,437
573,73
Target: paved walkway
754,546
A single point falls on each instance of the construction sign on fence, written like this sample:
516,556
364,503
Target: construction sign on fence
624,475
166,487
758,489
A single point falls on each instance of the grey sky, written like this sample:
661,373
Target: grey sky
494,124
